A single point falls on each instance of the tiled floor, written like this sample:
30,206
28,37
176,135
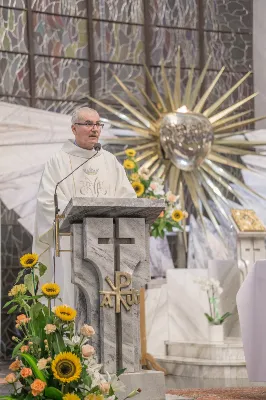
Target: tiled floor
175,382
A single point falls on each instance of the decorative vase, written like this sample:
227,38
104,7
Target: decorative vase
216,333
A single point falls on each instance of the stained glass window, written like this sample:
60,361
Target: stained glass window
176,13
13,3
118,42
131,75
61,79
13,30
64,7
14,74
228,15
119,10
165,44
60,36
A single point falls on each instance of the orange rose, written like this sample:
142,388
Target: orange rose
22,319
24,349
15,366
161,215
10,378
26,372
37,387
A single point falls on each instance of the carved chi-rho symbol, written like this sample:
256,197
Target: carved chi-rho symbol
122,280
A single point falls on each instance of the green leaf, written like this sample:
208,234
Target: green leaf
12,309
58,343
28,281
33,364
36,309
42,269
6,398
209,318
8,303
120,371
20,274
53,393
16,349
223,317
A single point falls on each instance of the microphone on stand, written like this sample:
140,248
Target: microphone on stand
97,148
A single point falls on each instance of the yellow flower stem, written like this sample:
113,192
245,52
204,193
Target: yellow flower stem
33,280
49,307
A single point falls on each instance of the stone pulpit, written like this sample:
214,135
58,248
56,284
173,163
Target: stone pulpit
110,263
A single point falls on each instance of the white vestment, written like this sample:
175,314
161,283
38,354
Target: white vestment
102,176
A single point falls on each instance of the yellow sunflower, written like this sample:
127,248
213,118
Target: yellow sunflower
29,260
71,396
129,164
94,396
65,313
177,215
134,176
139,188
51,290
130,152
66,367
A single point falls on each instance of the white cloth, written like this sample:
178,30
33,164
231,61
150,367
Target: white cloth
102,176
250,303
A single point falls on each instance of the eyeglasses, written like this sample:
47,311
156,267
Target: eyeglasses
91,124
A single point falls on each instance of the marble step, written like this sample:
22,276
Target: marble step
203,368
229,350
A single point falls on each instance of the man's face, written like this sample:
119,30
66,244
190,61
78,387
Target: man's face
87,135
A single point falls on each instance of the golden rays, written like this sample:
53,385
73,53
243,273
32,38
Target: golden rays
205,180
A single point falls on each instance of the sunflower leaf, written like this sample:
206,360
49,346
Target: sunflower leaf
53,393
42,269
58,343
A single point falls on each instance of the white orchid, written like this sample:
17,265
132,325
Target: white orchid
115,382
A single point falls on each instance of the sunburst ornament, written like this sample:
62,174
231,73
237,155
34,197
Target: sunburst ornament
185,143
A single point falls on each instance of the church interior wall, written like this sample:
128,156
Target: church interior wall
56,69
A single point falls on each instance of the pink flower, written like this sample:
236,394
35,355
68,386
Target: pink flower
87,350
87,330
104,387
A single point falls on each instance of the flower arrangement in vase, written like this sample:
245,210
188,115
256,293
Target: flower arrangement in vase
52,360
153,188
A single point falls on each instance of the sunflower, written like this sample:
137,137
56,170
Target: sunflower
51,290
65,313
66,367
139,188
71,396
177,215
134,176
130,152
129,164
29,260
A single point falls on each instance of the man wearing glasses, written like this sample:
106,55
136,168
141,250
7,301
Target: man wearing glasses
101,176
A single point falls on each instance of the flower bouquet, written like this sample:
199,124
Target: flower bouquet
52,360
214,290
153,188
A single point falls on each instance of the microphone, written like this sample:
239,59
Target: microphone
97,147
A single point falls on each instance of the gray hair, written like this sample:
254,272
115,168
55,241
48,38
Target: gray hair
76,112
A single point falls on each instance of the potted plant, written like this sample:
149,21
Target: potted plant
213,289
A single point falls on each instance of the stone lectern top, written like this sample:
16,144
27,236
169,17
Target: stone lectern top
110,263
79,208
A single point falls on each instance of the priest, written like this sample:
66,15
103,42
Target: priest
100,176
